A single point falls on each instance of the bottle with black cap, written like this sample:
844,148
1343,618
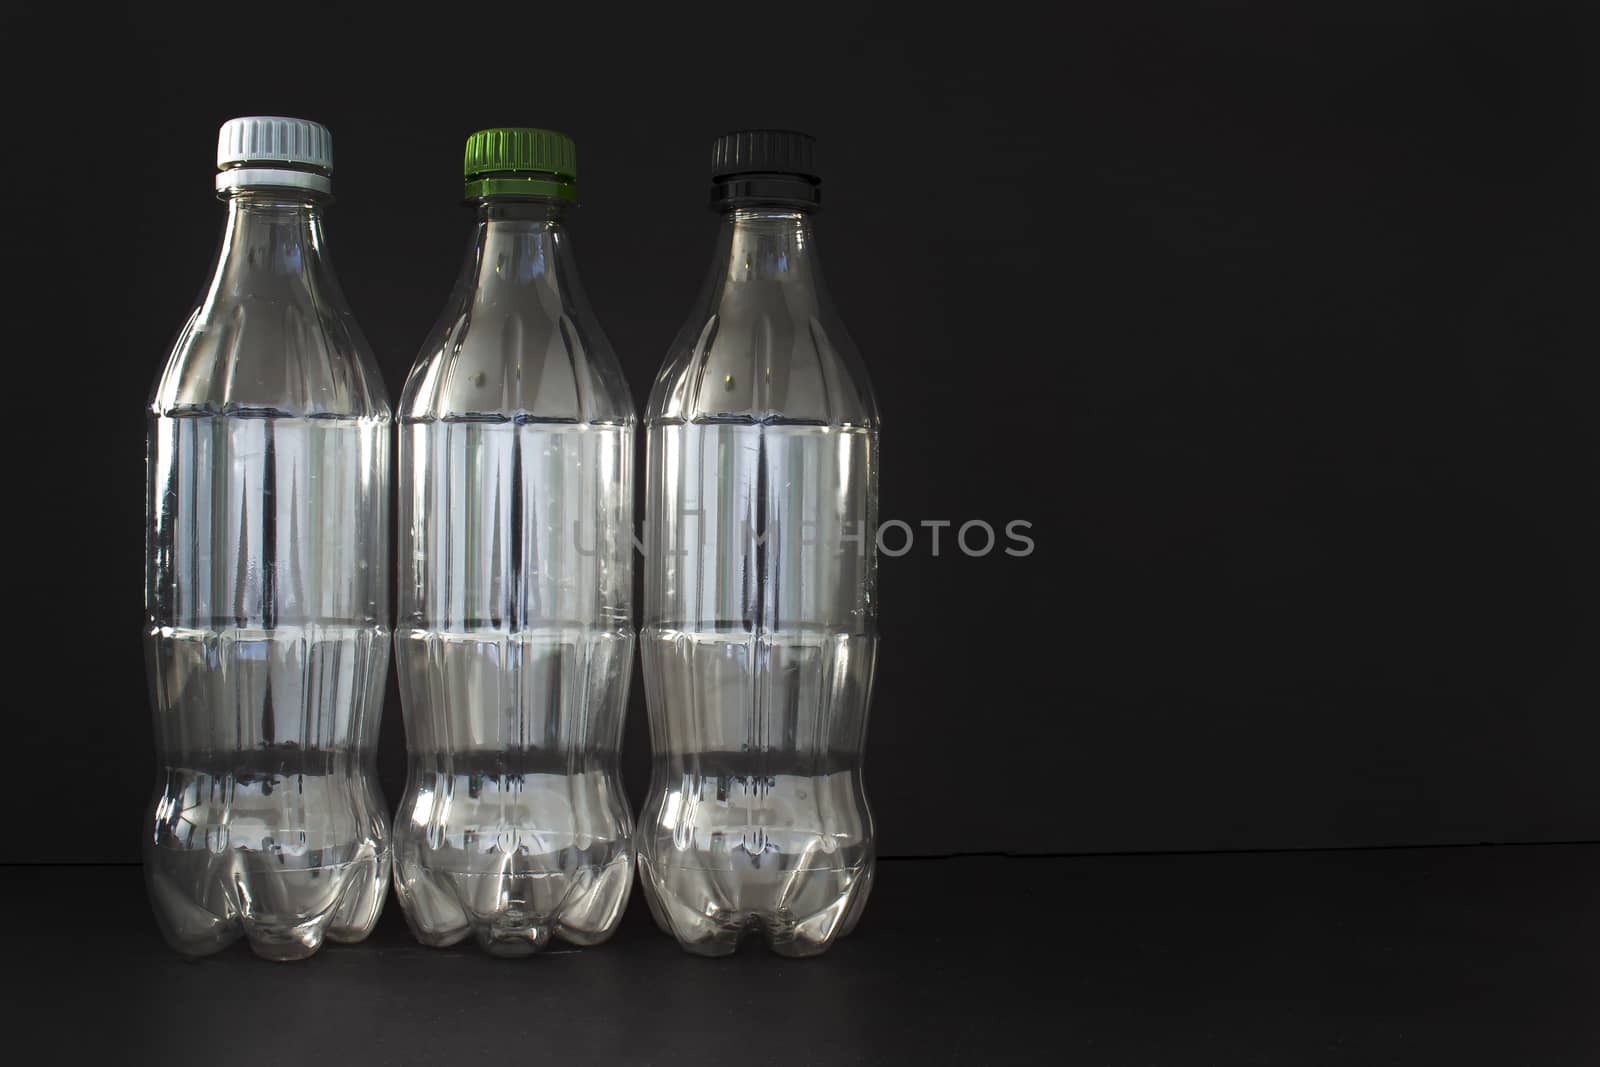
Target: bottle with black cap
760,626
267,579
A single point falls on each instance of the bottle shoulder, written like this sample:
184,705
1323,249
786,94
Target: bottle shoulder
764,360
288,349
527,355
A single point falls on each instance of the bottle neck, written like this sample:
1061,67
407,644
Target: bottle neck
272,231
517,242
768,244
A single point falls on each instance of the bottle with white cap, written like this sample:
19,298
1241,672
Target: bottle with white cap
266,588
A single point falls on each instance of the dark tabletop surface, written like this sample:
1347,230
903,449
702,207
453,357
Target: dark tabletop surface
1401,956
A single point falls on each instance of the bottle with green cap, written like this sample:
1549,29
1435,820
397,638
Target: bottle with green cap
267,578
760,623
514,637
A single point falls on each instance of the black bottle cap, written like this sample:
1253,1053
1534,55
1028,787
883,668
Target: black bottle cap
777,167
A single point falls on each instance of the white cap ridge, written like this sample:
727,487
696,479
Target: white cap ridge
274,150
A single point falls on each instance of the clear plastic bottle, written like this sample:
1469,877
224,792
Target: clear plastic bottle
760,619
266,585
515,640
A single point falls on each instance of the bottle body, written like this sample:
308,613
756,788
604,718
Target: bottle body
516,636
760,630
268,637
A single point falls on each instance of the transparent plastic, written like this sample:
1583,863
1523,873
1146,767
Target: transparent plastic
266,593
515,639
760,625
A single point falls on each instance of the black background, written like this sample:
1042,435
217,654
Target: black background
1277,325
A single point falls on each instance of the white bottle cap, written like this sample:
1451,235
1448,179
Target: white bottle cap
273,150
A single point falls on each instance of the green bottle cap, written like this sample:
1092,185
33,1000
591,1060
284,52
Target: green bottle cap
521,161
